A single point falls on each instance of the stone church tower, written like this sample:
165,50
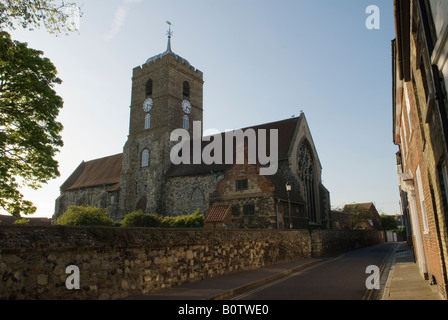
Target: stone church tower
167,94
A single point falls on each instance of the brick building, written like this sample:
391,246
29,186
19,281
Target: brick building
372,222
167,95
420,129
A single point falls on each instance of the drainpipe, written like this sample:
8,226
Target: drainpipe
215,175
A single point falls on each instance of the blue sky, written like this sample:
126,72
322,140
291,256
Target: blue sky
263,61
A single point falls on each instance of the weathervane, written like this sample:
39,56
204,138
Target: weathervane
169,33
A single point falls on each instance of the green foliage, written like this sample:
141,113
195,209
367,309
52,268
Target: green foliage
194,220
358,214
29,133
388,222
55,16
22,221
141,219
85,216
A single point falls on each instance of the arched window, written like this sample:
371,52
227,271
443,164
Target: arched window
186,89
186,125
145,158
148,121
197,201
141,204
305,161
305,171
149,88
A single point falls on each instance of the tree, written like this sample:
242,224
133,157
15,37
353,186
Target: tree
140,219
358,215
55,16
85,216
388,222
29,132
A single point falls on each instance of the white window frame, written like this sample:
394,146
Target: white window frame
408,110
145,158
422,201
147,121
404,139
186,123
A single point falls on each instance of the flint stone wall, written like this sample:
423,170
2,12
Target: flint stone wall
116,263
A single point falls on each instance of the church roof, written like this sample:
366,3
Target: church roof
366,205
104,171
286,134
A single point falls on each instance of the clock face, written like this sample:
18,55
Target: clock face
186,106
147,105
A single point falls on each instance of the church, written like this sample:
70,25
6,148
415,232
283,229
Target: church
167,94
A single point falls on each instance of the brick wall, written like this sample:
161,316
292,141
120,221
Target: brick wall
116,263
422,148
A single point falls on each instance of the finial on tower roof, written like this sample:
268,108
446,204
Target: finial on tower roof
168,50
169,34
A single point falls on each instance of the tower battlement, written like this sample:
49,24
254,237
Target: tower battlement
155,62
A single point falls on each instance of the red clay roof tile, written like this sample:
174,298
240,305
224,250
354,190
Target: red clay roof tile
218,213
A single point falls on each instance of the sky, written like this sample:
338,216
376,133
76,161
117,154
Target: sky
263,61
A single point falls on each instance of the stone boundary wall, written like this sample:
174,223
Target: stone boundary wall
327,243
116,263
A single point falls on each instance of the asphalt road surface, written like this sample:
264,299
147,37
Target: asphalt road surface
341,278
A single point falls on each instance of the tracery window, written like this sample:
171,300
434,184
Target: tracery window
305,172
197,201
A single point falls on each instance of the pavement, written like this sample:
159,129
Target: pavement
404,280
400,280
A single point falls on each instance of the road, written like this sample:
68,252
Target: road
341,278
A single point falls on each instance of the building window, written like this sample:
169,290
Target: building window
149,88
236,210
249,210
306,175
443,177
186,125
242,185
148,121
421,198
408,109
404,135
197,201
145,158
141,204
186,89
